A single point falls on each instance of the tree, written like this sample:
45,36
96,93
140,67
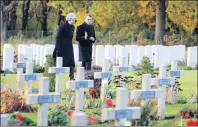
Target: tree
183,14
6,7
13,18
25,12
160,20
44,12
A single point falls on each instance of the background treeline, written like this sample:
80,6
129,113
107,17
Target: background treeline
116,22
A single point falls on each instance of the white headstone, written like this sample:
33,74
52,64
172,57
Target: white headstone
34,51
141,53
8,57
104,75
133,55
123,66
148,52
122,111
58,70
78,117
43,98
192,56
158,57
100,53
147,93
174,73
117,48
29,77
28,54
41,56
20,65
93,54
162,81
110,53
4,120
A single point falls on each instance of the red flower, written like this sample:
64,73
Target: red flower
20,117
92,120
69,112
186,115
92,91
192,123
109,103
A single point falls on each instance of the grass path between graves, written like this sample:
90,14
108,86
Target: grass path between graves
188,84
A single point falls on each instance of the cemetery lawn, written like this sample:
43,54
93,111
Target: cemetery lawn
188,84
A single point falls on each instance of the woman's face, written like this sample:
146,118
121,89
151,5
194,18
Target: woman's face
72,22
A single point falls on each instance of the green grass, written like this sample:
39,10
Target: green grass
188,84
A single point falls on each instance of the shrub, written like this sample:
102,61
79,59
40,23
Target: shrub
18,119
181,100
57,117
187,112
13,100
146,67
188,68
50,63
37,68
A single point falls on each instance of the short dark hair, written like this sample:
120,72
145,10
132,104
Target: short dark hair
87,15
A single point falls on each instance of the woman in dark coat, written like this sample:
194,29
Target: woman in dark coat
64,45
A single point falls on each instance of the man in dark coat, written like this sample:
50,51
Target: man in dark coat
64,45
85,34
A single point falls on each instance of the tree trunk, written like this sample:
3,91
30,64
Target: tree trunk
25,10
6,7
13,19
44,17
160,21
61,19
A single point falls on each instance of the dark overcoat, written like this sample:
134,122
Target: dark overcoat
64,44
85,46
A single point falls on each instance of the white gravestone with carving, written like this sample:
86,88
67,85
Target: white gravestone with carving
174,73
104,75
122,111
59,70
43,98
78,117
20,65
29,77
162,81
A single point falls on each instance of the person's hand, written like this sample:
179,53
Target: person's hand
91,38
57,53
86,35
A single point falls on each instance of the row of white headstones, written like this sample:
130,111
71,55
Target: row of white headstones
159,55
121,113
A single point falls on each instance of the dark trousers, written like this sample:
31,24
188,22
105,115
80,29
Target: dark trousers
71,73
86,65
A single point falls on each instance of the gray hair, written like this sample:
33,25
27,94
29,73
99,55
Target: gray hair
71,16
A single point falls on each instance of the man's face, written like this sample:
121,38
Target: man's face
88,20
